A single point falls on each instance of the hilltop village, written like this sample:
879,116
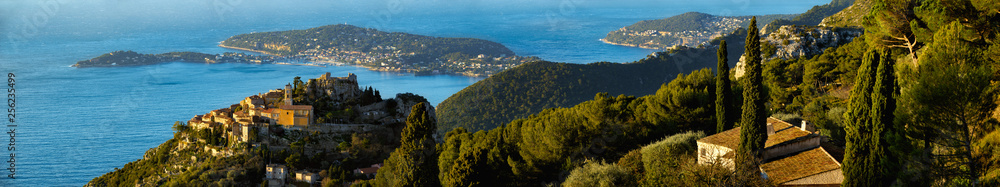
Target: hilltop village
284,137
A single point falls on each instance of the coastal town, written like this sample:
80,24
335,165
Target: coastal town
395,61
383,51
322,119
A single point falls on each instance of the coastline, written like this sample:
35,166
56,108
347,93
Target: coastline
630,45
245,49
318,62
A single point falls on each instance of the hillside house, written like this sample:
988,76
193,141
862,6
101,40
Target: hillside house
369,172
306,176
792,155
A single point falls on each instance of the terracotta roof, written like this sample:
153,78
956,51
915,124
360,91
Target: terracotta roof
296,107
254,97
269,111
799,165
783,132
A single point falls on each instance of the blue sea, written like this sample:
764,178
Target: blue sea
77,124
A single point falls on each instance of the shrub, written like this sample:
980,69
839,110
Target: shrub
597,174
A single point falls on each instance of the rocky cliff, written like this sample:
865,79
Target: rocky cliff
790,42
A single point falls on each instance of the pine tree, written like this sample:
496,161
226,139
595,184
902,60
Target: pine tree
860,154
723,101
753,132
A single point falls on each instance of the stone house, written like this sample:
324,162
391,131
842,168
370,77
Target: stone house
792,155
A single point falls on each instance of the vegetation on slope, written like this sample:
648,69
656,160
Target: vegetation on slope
812,16
688,29
850,16
543,147
532,87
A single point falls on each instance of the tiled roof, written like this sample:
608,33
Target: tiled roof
783,132
799,165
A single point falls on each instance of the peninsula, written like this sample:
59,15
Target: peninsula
344,45
383,51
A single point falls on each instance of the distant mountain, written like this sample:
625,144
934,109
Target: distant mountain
532,87
353,38
689,29
812,17
132,58
850,16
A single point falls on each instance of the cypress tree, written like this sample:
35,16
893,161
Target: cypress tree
753,132
414,163
859,166
723,101
883,106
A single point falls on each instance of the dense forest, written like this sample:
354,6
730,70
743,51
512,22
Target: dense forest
352,38
532,87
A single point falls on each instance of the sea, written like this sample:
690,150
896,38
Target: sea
75,124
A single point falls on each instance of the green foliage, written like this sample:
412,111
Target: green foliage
871,130
477,159
948,104
661,159
414,163
812,16
241,169
752,128
597,174
724,113
534,86
633,166
538,148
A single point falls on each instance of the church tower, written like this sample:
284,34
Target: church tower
288,94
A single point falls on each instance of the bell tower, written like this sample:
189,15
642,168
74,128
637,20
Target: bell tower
288,94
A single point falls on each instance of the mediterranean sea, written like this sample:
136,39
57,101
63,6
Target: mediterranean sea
77,124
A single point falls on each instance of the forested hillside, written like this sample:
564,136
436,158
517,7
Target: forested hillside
532,87
811,17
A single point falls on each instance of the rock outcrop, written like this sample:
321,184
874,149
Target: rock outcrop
790,42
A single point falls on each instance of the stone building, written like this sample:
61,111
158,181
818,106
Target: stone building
792,155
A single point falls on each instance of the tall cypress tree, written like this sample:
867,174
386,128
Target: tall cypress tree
414,163
859,165
723,101
882,126
753,132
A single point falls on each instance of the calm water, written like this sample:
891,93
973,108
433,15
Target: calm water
76,124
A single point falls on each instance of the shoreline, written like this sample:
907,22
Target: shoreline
245,49
631,45
318,62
